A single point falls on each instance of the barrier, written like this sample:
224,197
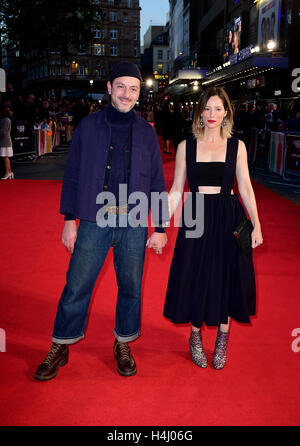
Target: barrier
277,150
22,140
55,136
65,129
44,139
293,152
49,136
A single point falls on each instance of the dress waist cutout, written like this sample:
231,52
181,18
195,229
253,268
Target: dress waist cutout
210,173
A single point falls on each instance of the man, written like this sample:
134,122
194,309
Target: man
109,148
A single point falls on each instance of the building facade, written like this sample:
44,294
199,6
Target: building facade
116,36
257,49
155,66
247,46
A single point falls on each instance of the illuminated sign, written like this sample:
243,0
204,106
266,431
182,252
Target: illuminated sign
233,32
256,82
161,77
268,22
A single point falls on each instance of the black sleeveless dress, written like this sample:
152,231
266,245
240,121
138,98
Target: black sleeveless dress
210,278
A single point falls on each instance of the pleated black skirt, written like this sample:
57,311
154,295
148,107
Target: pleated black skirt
210,278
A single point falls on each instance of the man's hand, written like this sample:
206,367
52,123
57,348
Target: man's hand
157,241
69,235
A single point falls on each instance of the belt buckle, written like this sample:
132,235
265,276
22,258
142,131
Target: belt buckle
111,209
122,209
117,210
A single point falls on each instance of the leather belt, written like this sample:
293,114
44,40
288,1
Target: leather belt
118,210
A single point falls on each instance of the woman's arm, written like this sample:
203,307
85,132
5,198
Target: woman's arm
157,241
247,193
177,188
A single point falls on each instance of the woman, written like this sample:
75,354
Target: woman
210,279
6,150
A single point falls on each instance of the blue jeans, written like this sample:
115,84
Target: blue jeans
90,251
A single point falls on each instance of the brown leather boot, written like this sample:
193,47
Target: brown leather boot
58,356
126,365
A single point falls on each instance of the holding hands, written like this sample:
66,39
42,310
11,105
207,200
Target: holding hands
157,241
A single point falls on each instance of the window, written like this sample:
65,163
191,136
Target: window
113,16
113,50
125,18
99,33
135,36
129,3
160,67
99,49
81,49
110,2
113,34
136,51
98,73
159,54
82,71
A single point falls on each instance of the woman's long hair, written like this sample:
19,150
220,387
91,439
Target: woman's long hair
226,132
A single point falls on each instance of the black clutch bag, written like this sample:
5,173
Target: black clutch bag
242,235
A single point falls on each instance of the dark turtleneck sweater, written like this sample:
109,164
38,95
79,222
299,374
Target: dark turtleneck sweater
119,160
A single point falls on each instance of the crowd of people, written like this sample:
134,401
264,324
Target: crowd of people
265,116
31,110
173,121
21,115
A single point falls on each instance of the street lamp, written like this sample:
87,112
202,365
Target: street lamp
149,82
91,82
271,45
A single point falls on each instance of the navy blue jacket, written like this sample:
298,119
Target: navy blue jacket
85,169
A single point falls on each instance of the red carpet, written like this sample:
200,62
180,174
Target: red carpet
258,386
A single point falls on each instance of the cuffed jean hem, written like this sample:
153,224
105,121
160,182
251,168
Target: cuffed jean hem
126,338
66,340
